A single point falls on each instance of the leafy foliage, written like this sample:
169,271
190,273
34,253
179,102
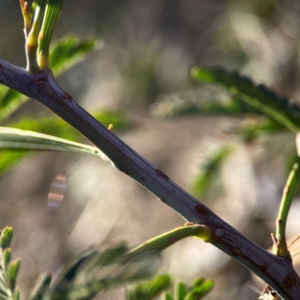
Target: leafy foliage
95,272
196,291
259,97
150,289
8,269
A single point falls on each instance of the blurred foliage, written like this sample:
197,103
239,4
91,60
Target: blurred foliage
9,269
204,101
71,50
257,96
94,272
11,138
196,291
56,126
65,53
244,34
150,289
208,172
97,271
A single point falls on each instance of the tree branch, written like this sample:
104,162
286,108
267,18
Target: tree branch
276,271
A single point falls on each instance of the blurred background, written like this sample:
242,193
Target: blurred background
137,80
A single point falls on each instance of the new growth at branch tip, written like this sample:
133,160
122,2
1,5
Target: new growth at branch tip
279,240
39,24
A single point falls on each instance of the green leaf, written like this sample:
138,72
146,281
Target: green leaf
41,289
209,170
150,289
180,291
6,237
161,242
4,290
6,255
257,96
199,290
13,272
70,50
197,282
24,139
95,272
65,53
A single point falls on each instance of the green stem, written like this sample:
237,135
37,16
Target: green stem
167,239
51,16
286,201
32,38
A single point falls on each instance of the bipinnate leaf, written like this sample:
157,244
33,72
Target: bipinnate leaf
150,289
93,273
65,53
257,96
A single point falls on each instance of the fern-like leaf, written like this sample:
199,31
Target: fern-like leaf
257,96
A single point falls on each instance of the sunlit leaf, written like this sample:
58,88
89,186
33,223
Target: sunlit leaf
29,140
150,289
180,291
59,128
257,96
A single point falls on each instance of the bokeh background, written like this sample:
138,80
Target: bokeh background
148,49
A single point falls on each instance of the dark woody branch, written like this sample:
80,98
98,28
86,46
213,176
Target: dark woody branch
276,271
